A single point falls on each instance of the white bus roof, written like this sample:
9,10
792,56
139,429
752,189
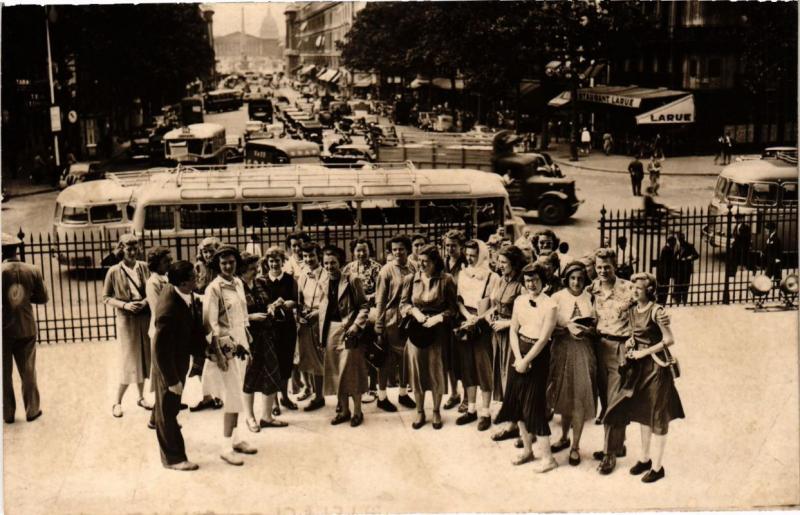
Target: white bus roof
104,191
195,130
317,184
760,170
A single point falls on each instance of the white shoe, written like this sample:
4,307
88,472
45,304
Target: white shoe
545,466
231,458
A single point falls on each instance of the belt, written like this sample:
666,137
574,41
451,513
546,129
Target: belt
613,337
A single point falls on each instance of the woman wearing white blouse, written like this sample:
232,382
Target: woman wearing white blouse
525,400
573,365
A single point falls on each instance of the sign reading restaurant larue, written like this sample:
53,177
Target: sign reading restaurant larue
614,100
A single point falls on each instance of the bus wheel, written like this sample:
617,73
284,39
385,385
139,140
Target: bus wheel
551,211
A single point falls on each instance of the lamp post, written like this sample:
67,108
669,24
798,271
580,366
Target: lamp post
54,111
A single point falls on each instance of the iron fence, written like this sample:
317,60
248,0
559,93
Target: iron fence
731,249
74,267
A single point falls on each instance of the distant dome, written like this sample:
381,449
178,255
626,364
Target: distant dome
269,29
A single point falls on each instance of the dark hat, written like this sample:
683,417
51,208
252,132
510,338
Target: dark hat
224,250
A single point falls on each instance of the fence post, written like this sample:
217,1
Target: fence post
21,236
726,292
602,225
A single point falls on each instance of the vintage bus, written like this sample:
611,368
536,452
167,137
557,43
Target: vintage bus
756,191
199,143
223,100
281,151
333,205
260,109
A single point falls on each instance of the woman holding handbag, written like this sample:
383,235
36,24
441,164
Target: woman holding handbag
225,315
648,395
342,317
473,346
429,298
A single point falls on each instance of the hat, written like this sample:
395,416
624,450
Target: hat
224,250
10,241
210,241
128,238
571,267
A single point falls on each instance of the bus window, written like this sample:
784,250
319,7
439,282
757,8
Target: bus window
268,214
444,211
75,215
490,211
159,217
207,216
130,209
737,193
106,213
386,212
790,194
764,194
333,213
719,191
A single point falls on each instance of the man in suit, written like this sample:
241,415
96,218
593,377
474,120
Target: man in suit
773,249
739,254
179,335
22,286
685,256
636,171
664,270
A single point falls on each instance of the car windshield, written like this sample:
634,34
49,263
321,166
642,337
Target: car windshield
75,215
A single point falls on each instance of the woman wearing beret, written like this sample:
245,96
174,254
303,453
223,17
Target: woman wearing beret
125,290
429,297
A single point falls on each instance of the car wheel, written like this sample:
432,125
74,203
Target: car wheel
552,211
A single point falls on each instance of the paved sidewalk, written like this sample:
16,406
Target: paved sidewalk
737,448
13,188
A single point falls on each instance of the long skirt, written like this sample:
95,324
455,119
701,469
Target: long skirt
501,363
134,347
573,370
648,396
310,355
474,356
424,367
525,399
285,343
345,369
263,374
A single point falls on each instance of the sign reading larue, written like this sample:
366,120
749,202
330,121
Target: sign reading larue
605,98
679,111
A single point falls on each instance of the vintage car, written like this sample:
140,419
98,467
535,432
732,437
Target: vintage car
352,155
80,172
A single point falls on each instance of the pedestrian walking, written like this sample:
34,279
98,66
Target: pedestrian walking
608,143
525,400
727,149
636,171
573,365
654,170
647,395
342,317
720,154
665,269
685,256
22,286
429,298
773,252
225,316
586,141
387,322
179,334
124,289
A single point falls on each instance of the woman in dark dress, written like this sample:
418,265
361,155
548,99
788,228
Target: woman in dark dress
281,289
525,400
262,374
648,395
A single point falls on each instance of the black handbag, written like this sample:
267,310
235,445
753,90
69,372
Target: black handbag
418,335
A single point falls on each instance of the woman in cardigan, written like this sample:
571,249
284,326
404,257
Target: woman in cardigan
342,316
429,296
125,290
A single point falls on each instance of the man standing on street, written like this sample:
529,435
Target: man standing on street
636,169
685,256
22,286
179,335
773,250
613,297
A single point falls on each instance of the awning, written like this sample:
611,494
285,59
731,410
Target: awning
561,100
307,69
447,84
329,75
679,111
625,96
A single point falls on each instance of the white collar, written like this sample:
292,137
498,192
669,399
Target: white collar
275,279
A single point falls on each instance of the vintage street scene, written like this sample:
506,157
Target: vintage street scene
400,257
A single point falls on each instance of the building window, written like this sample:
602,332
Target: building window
715,68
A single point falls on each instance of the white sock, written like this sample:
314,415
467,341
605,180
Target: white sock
471,407
381,395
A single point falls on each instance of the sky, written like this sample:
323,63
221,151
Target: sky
228,16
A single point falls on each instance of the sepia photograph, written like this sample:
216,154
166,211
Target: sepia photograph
399,257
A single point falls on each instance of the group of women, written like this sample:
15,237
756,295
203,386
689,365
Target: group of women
507,321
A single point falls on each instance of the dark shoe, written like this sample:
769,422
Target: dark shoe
598,421
271,423
183,406
463,407
484,423
420,421
607,465
560,445
599,455
287,403
406,401
315,404
519,444
506,434
653,476
574,458
357,419
34,417
641,467
340,419
204,404
218,404
386,405
437,420
276,411
8,420
466,418
452,402
151,425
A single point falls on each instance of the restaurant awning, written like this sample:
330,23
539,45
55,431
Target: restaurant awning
561,100
618,96
679,111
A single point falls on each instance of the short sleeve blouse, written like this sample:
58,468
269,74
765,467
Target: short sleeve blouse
531,318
